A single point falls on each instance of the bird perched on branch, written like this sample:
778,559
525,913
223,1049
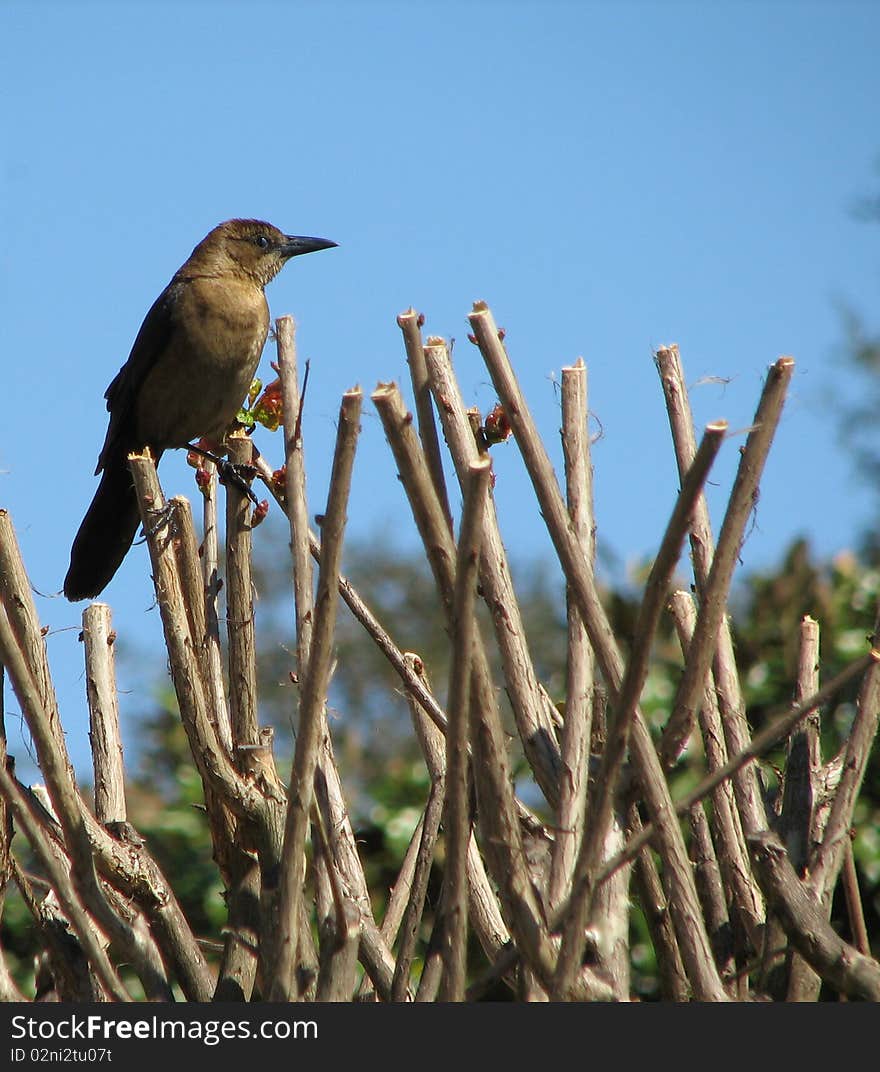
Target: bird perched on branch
187,374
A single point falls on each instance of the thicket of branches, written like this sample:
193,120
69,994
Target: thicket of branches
734,885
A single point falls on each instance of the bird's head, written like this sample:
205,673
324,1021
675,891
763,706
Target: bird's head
253,248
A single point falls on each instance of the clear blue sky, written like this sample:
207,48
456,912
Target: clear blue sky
608,176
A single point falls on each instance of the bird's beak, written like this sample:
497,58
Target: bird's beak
294,245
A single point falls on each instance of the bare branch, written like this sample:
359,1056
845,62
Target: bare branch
656,590
281,983
828,859
106,741
456,814
211,586
296,503
836,961
531,706
713,595
727,687
580,673
93,940
746,899
491,773
409,323
683,900
775,730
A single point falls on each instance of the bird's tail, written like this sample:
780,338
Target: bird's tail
106,532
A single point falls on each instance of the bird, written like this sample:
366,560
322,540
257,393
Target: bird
190,367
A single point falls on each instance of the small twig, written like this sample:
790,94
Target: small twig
412,916
775,730
17,597
370,623
281,983
210,557
713,595
61,881
797,822
580,671
189,570
296,504
99,638
240,625
828,858
727,687
854,908
491,770
803,919
746,899
683,900
674,982
456,814
409,323
711,890
531,706
297,431
653,602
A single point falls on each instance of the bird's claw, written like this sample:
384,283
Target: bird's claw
238,474
162,517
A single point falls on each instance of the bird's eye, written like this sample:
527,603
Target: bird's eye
262,241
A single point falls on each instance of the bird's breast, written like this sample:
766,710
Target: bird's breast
201,377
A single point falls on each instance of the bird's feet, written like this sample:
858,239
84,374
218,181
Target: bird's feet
160,518
234,473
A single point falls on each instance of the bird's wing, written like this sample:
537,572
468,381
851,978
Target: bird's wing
122,393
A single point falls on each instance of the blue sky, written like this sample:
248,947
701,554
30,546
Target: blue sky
608,176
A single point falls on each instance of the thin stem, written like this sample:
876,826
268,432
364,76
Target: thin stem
65,888
491,770
683,900
211,586
240,625
371,624
580,671
653,602
713,595
412,916
804,922
99,638
531,706
727,687
775,730
456,815
296,503
281,982
746,899
409,323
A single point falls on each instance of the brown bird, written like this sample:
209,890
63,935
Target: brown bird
187,374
